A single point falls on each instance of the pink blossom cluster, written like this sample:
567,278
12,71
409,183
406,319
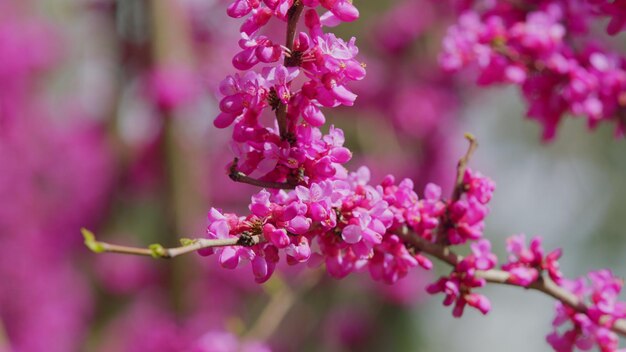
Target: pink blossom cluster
461,221
544,49
339,218
457,286
526,264
295,151
346,220
260,12
592,328
465,216
350,225
331,216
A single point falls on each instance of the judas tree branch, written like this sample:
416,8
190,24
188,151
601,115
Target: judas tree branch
293,16
239,176
459,185
158,251
542,284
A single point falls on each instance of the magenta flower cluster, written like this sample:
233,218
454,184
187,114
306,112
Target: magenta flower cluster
526,264
543,48
346,223
314,211
315,72
573,329
457,286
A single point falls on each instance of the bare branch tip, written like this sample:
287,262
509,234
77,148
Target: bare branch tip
470,137
473,143
90,241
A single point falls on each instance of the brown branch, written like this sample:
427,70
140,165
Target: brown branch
438,251
459,185
459,189
239,176
542,284
158,251
293,16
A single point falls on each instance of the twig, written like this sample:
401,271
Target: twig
459,185
459,189
293,16
239,176
436,250
543,284
158,251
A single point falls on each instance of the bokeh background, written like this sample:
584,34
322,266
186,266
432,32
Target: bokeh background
106,112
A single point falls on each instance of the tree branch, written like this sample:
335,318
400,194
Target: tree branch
459,189
459,185
542,284
293,16
158,251
239,176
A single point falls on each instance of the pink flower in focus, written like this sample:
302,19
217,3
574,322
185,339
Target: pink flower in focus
458,285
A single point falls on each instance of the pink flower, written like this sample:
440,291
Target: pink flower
593,328
526,264
240,8
343,9
458,285
534,49
255,50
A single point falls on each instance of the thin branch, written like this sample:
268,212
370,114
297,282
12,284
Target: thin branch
459,188
542,284
239,176
438,251
158,251
293,16
459,185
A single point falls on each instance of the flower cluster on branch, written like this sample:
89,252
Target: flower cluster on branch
544,47
314,211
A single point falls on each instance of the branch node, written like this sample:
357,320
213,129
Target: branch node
246,240
157,251
239,176
187,241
